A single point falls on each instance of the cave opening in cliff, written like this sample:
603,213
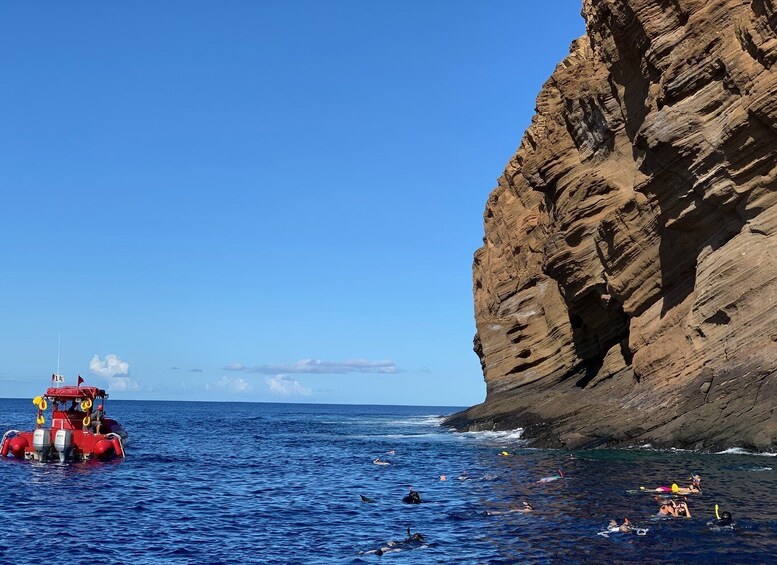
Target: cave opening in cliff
599,324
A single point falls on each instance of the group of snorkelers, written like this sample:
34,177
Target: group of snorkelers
413,541
669,507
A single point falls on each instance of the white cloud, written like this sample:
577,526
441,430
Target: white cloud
281,384
231,384
114,370
234,367
111,366
316,366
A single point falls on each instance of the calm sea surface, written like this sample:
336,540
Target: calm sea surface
280,483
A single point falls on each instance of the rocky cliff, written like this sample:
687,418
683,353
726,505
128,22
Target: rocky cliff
626,290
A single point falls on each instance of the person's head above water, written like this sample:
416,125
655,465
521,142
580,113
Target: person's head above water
527,505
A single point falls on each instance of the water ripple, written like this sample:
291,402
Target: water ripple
259,483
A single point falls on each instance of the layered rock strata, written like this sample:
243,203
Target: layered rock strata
626,290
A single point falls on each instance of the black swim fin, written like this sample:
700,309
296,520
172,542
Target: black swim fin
365,499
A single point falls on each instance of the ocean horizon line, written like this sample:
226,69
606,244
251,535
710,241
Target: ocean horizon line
462,407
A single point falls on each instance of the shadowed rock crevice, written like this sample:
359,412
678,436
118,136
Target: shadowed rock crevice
625,292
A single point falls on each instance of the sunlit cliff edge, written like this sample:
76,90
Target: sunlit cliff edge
626,289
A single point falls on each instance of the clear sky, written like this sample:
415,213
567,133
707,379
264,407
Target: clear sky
261,201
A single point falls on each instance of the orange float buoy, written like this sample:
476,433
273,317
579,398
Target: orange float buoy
18,445
103,449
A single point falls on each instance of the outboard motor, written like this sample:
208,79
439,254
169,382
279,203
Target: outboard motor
41,443
63,443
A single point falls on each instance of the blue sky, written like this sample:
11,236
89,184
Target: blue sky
260,201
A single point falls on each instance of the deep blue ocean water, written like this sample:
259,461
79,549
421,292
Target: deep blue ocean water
280,483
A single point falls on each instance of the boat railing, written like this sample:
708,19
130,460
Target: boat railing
9,434
118,437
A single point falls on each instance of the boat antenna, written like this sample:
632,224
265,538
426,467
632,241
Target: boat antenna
57,377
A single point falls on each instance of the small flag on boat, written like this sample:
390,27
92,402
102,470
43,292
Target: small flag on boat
80,380
56,378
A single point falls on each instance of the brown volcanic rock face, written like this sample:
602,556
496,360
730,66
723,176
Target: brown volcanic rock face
626,291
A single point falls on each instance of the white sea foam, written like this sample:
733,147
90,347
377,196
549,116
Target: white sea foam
429,420
505,435
729,451
742,451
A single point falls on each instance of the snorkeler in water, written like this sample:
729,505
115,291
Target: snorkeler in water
527,507
666,509
552,478
412,541
726,519
625,527
693,488
412,497
682,509
722,520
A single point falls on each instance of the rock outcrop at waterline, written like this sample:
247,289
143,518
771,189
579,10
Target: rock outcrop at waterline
626,290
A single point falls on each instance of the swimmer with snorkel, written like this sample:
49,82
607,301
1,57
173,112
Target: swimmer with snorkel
527,507
693,488
723,520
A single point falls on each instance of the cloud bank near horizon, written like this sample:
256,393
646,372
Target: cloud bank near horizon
319,367
113,369
286,386
231,384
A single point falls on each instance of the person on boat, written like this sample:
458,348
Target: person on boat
412,497
97,418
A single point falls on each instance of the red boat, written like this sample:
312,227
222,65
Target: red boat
78,432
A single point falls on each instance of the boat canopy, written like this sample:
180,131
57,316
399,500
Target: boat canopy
75,392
